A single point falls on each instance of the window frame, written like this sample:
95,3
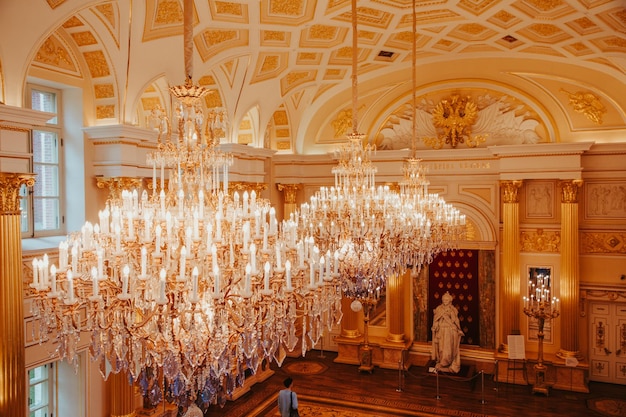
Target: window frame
55,126
49,402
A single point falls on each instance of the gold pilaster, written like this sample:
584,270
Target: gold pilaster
570,271
13,386
349,321
395,306
122,395
290,192
510,293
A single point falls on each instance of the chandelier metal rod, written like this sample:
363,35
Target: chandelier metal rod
355,52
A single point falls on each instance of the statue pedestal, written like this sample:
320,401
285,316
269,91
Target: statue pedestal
382,352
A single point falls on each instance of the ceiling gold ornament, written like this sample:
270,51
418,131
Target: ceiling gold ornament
55,3
229,8
72,22
587,103
108,12
287,7
103,91
545,5
168,12
342,123
283,145
454,118
540,240
105,111
84,38
53,52
10,184
282,133
477,6
498,119
603,242
97,64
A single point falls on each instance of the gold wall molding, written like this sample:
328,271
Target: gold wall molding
569,190
603,242
510,190
540,241
10,184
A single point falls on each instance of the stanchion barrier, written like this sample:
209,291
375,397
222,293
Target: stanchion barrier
400,376
322,348
437,376
482,387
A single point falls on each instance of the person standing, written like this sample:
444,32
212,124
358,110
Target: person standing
287,399
447,335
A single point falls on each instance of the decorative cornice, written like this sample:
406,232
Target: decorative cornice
14,128
10,184
542,149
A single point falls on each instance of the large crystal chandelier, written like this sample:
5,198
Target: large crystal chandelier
375,231
189,286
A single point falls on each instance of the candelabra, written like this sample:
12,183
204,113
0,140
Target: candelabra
541,307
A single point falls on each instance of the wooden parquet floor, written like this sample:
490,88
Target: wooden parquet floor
324,385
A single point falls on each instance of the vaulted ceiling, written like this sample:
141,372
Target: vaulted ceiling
552,70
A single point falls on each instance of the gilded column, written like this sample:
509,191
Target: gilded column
350,319
13,388
122,395
290,191
569,282
395,306
510,290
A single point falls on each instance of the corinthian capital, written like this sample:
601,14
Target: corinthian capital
510,189
569,190
10,184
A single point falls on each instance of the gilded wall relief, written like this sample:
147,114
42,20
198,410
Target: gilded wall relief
587,103
605,200
473,117
540,241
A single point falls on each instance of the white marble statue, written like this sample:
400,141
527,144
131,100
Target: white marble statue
447,335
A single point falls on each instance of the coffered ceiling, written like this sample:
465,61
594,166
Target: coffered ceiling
282,68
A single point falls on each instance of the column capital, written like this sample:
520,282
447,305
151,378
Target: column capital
257,187
10,183
511,188
290,192
116,185
569,190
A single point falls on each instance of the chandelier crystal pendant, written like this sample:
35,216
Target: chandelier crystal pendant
188,288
